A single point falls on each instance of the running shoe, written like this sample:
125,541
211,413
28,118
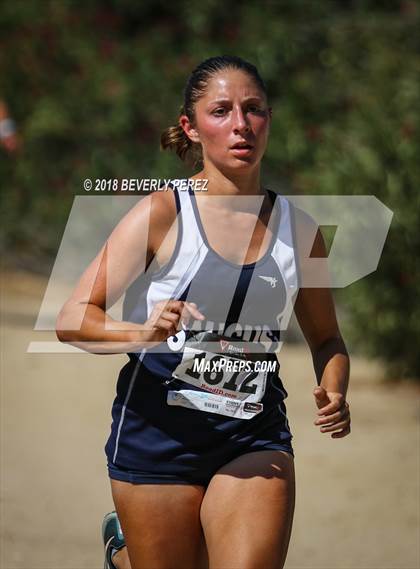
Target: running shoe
112,537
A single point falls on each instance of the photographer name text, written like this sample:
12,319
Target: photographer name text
143,184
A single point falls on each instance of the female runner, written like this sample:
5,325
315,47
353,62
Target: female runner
200,456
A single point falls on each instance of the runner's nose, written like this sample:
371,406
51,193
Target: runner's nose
240,124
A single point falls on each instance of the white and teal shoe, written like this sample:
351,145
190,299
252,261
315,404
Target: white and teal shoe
112,537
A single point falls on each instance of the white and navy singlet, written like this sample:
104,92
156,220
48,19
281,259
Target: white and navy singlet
186,407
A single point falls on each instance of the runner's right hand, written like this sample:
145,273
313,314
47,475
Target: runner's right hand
165,319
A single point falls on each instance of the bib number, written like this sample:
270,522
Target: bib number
221,375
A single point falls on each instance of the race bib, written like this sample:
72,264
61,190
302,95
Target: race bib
233,379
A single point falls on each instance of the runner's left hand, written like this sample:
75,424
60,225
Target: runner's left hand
333,412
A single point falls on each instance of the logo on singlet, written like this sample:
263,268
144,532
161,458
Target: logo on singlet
271,280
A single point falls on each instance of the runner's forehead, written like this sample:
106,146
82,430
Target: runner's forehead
231,84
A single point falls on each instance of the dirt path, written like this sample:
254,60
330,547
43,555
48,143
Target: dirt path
357,498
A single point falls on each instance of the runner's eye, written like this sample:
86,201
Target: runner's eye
255,109
219,112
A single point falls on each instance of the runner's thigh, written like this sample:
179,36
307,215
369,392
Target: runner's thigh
161,524
247,511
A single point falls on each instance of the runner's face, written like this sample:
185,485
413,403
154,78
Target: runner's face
232,111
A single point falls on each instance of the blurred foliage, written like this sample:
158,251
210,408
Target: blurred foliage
92,84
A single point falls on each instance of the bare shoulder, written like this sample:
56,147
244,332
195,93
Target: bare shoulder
163,213
311,253
305,223
308,235
146,224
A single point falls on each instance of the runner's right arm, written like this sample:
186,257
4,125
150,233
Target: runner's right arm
83,321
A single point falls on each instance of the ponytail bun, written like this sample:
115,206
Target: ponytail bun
174,138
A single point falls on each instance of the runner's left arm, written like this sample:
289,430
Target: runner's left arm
315,312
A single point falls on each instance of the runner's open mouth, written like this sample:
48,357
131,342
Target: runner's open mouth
240,146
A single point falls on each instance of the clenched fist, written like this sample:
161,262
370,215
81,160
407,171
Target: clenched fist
166,318
334,413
